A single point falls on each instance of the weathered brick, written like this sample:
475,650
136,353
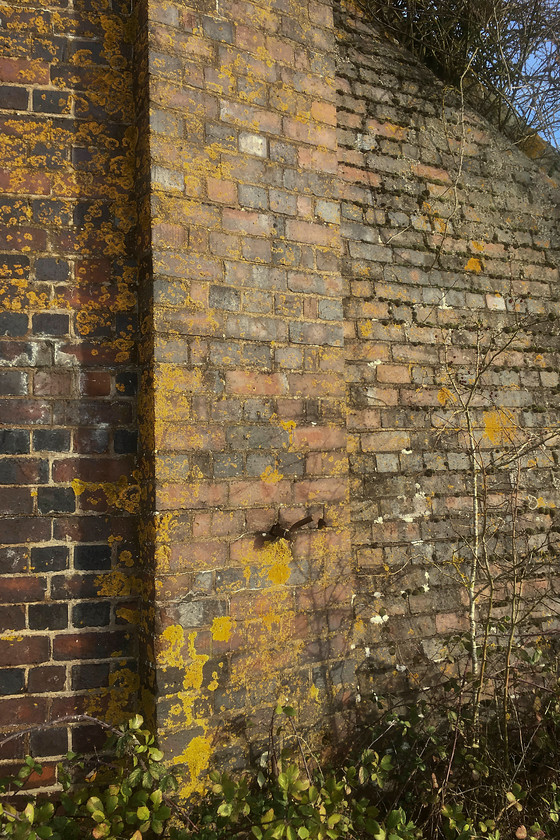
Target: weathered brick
90,645
252,144
247,383
48,616
310,233
23,471
245,222
222,191
25,651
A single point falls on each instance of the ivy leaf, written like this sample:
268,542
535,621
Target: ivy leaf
94,803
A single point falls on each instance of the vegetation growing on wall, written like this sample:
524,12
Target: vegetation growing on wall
505,51
419,777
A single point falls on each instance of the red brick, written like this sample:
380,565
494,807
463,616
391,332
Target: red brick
92,528
249,117
249,38
16,750
26,529
46,678
198,555
324,112
360,176
169,235
319,437
73,705
23,710
308,132
247,605
22,182
246,222
220,190
24,412
256,69
91,469
23,239
320,597
17,590
253,492
92,354
316,385
12,618
183,438
23,71
95,383
218,524
326,463
201,494
91,645
23,471
312,234
250,382
321,490
367,418
317,160
23,650
16,500
393,373
432,173
280,50
52,383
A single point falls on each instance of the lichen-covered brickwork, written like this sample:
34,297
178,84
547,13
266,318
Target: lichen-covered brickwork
248,372
292,229
450,234
68,380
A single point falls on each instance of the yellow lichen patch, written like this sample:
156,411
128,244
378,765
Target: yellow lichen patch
274,561
314,693
444,396
115,701
123,494
477,246
287,425
115,584
474,264
271,475
196,757
499,426
131,616
10,636
221,628
365,328
164,523
193,673
171,654
126,558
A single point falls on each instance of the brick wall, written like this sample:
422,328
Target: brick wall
249,372
450,236
68,381
313,233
